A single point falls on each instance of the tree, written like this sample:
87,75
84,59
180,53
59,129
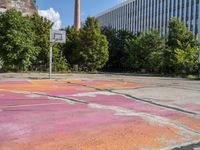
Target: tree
145,51
60,63
41,27
118,42
71,48
16,41
178,33
93,47
152,45
187,58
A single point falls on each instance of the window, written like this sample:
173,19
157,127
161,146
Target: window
170,8
149,18
197,9
154,10
174,9
146,13
192,9
182,12
197,17
187,10
178,10
159,13
140,7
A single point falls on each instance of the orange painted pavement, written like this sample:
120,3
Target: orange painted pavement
37,115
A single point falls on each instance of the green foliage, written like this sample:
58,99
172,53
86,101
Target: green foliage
17,49
41,28
133,53
152,45
94,46
179,32
118,43
150,52
179,39
186,57
60,63
71,48
87,48
145,52
24,43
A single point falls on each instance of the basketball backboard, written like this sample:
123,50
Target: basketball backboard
57,36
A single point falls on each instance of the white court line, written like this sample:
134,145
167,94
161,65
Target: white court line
32,105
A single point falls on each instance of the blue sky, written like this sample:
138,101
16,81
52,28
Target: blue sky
64,8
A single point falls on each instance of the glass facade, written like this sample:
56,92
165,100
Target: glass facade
141,15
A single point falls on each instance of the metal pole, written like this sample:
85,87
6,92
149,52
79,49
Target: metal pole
50,60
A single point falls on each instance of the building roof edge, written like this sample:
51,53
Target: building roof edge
113,8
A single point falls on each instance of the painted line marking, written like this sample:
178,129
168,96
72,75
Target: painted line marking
65,99
32,105
195,113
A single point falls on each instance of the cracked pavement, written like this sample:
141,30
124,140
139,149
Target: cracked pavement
98,111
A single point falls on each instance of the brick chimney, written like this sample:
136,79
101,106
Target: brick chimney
77,22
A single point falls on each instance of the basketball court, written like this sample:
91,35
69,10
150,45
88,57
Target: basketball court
95,114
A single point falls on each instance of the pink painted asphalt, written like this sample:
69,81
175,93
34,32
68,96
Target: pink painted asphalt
38,115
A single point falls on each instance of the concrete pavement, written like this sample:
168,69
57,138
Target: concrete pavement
87,112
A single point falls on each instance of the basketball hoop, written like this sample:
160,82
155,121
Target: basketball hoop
56,36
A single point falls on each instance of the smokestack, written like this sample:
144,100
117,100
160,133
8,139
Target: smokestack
77,23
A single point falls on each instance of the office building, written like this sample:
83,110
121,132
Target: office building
141,15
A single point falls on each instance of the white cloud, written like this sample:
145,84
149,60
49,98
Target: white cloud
53,16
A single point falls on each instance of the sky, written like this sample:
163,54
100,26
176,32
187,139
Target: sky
61,12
